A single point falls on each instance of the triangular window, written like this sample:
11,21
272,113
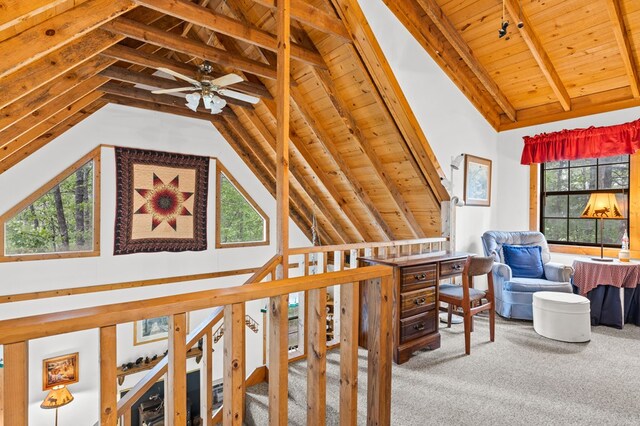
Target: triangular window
58,220
240,221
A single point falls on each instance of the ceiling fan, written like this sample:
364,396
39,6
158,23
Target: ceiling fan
207,88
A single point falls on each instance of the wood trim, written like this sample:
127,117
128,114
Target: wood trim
206,377
534,180
354,246
233,369
626,52
108,370
177,370
316,349
16,379
349,314
220,170
93,155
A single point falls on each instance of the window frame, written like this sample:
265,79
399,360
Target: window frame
93,155
543,194
220,170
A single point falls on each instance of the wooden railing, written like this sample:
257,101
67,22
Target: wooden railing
16,333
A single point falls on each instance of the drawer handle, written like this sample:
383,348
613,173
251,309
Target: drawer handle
419,327
422,276
420,301
456,267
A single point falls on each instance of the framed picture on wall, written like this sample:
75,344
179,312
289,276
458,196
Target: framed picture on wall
152,330
61,370
477,181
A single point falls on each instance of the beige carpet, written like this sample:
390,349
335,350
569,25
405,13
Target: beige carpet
522,378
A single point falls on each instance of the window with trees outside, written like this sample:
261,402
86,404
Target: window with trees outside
239,220
58,220
566,186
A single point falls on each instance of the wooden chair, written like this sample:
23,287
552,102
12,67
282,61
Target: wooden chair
469,299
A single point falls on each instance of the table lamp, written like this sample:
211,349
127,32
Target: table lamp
57,397
602,205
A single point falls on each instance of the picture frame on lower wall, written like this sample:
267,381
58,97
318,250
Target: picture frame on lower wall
477,181
60,371
152,330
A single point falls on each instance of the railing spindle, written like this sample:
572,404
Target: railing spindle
176,404
108,377
233,391
349,314
316,357
278,360
206,378
16,384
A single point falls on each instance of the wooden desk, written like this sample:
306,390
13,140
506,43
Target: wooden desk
415,299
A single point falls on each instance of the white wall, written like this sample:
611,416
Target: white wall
123,126
450,122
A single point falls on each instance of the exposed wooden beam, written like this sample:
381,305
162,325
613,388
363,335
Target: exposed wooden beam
437,16
14,12
368,49
113,88
538,52
30,45
409,12
53,65
310,15
141,32
620,31
207,18
125,75
154,106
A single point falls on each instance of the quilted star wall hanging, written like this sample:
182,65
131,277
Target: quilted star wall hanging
161,201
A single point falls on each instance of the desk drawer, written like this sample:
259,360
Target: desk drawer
416,277
452,267
418,325
417,301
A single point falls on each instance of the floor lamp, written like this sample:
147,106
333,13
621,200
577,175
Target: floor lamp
602,205
56,398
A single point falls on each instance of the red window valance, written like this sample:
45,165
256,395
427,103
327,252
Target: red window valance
593,142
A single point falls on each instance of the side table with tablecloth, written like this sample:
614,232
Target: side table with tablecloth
613,289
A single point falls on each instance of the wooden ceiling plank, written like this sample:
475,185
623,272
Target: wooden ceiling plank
53,65
36,117
442,53
127,76
15,12
141,32
14,152
127,54
207,18
313,17
620,31
437,16
373,58
365,145
41,97
113,88
297,172
318,203
538,52
30,45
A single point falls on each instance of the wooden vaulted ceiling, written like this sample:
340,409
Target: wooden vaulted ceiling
359,162
570,58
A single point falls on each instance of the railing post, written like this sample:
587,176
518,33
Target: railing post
16,378
349,314
379,299
176,399
206,378
108,377
233,391
316,357
278,360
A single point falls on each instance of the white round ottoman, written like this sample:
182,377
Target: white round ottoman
562,316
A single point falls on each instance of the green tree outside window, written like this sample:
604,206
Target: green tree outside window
239,220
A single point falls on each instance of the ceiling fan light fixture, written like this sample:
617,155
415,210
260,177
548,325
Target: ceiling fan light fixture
206,99
193,99
218,102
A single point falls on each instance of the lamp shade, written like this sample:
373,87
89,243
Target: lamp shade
57,397
602,205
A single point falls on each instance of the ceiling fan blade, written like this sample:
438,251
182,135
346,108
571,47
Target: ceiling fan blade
178,75
179,89
239,96
227,80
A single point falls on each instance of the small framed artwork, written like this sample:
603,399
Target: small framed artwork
152,330
61,370
477,181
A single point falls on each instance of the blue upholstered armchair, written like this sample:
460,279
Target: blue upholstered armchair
514,295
